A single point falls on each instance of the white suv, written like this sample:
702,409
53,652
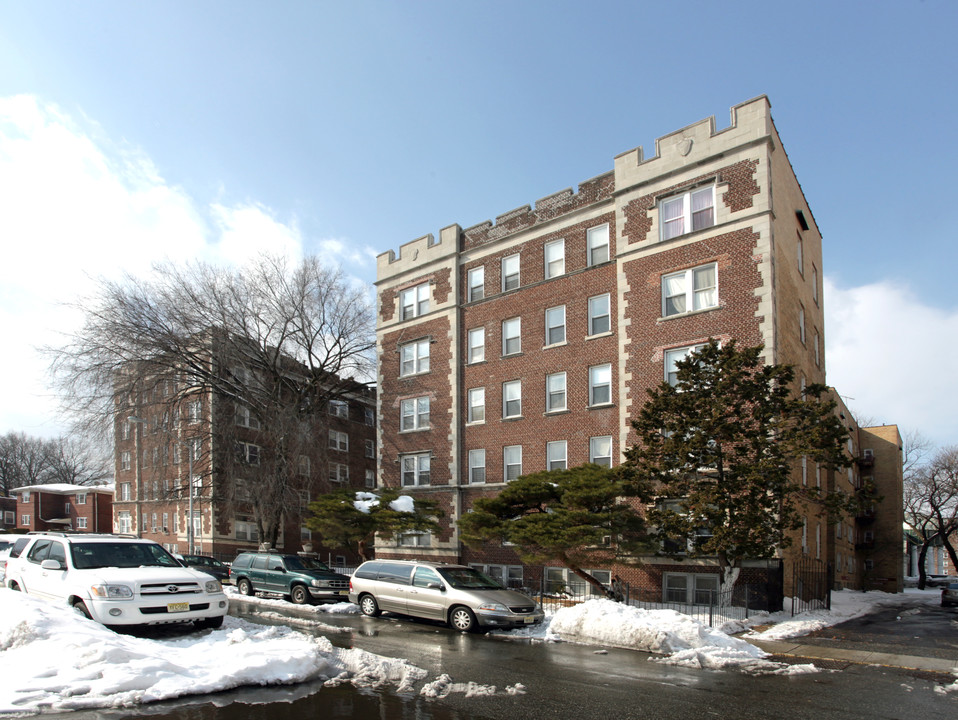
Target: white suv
116,580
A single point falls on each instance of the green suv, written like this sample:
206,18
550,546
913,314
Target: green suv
299,578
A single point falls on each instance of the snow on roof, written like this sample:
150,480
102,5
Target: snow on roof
66,488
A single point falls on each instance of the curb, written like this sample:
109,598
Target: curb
860,657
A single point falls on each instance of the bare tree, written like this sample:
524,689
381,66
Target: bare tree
74,461
273,341
24,460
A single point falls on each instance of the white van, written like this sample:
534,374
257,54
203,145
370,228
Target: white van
455,594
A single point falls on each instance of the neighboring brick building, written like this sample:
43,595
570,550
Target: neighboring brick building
165,431
528,343
8,513
61,506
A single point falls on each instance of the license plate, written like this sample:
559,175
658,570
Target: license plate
529,620
177,607
344,592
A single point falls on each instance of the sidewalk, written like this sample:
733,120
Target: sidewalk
852,655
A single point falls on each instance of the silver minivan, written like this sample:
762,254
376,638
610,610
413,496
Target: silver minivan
455,594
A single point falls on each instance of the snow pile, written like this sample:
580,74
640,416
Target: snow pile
283,606
365,501
51,657
443,686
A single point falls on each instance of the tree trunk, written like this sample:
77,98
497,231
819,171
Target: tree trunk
602,589
921,562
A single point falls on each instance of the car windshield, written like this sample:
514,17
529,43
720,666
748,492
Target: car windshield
294,562
120,554
202,560
468,579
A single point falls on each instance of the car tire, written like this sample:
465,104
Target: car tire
299,595
81,608
463,619
245,587
211,623
14,586
368,606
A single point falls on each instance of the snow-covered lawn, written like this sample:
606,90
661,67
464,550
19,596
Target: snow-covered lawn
53,658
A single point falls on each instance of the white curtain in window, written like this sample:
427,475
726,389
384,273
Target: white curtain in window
673,217
705,294
675,294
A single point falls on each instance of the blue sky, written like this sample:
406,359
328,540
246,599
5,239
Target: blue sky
132,131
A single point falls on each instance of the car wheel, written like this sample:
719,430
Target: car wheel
245,587
14,586
463,619
368,606
81,608
209,623
299,594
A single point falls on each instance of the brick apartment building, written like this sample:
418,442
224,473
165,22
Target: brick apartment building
62,506
165,433
528,343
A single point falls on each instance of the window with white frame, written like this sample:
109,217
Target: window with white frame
690,588
66,507
125,458
338,472
25,496
414,358
370,449
194,411
81,523
512,399
801,323
476,282
477,405
511,336
477,345
125,492
81,499
556,458
305,534
166,522
9,517
247,453
600,450
554,259
477,466
415,469
555,325
338,440
153,525
415,539
690,290
815,284
246,530
672,357
688,212
597,243
124,523
600,384
369,415
818,475
25,520
509,576
304,466
511,462
555,392
804,469
818,353
245,418
800,250
414,413
510,272
370,478
339,408
599,315
124,430
195,448
414,301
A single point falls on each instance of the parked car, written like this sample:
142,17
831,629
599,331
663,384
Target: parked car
949,595
12,552
115,579
207,564
299,578
6,544
455,594
939,580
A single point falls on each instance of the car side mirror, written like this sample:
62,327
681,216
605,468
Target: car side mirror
51,565
436,586
279,568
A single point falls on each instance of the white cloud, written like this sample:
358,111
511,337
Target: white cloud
74,205
347,253
893,357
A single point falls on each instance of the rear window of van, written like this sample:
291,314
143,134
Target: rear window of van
395,573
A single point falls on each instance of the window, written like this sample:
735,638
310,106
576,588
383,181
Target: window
818,475
195,448
244,418
153,526
370,448
801,324
512,398
818,355
246,531
415,469
512,462
414,301
81,523
688,212
25,496
477,405
600,450
370,478
818,541
599,314
338,472
124,430
124,492
555,392
194,411
123,522
510,272
555,325
304,467
25,519
66,507
415,539
9,517
166,522
689,290
690,588
600,384
414,414
556,455
477,466
414,358
554,259
369,416
511,336
338,440
476,282
305,534
339,408
672,357
477,345
247,453
597,242
804,470
124,463
801,255
815,284
81,499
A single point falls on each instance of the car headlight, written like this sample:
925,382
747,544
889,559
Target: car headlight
494,607
213,586
319,583
112,592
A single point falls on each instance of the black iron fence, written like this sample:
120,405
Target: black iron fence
811,585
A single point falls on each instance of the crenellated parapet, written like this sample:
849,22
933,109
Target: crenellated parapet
418,253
